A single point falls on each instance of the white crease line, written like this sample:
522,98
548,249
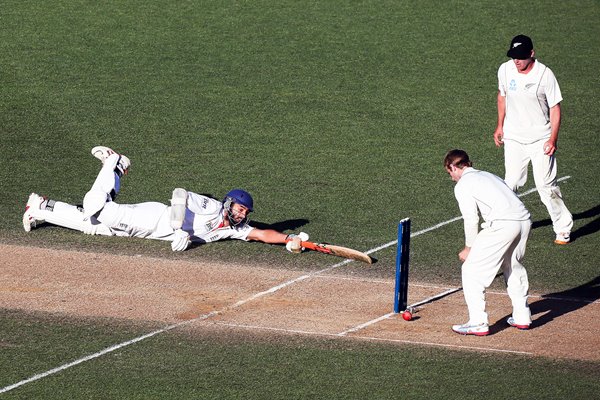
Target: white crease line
386,316
325,334
239,303
564,178
288,283
362,326
449,292
547,297
435,297
101,353
270,328
354,279
434,227
414,235
449,289
452,346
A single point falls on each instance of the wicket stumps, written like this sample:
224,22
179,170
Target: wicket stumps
402,256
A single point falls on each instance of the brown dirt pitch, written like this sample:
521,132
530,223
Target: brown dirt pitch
260,299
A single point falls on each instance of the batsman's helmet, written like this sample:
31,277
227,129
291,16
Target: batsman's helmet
238,196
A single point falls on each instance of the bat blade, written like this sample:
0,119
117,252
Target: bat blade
339,251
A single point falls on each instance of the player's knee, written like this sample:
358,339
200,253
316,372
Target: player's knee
94,201
109,215
91,226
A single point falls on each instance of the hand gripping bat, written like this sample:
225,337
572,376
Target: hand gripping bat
339,251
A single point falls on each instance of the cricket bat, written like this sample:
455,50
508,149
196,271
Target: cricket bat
339,251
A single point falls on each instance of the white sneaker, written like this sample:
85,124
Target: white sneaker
469,329
563,238
511,322
33,203
103,152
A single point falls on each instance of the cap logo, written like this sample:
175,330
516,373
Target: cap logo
516,45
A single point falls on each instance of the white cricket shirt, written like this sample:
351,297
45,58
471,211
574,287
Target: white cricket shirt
204,221
529,98
486,192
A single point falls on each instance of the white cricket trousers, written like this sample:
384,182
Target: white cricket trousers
500,245
102,216
150,219
516,161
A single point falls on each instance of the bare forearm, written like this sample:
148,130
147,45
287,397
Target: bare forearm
501,110
499,132
267,236
462,256
550,145
555,123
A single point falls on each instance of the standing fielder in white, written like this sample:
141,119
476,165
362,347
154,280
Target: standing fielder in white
500,243
190,218
528,123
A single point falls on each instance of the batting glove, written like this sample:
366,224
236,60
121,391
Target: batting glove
181,240
294,244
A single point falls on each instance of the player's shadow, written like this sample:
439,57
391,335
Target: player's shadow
554,305
290,224
587,229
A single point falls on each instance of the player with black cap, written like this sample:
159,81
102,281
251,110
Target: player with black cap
529,117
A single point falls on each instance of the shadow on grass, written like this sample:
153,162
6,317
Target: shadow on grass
554,305
587,229
290,224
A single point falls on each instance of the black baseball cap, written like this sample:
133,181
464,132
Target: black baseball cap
520,47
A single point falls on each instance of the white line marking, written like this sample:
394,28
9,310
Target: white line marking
448,290
412,342
434,227
445,345
386,316
437,296
414,235
354,279
238,304
362,326
100,353
564,178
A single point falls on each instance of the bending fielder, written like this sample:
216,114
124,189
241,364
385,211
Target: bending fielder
499,244
190,218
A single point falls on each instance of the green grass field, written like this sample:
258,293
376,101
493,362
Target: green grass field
335,115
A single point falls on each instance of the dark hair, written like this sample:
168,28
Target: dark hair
458,158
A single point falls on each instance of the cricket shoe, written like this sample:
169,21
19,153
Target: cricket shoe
511,322
563,238
33,203
103,152
470,329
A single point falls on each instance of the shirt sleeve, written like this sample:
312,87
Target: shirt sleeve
502,80
553,94
199,204
468,209
241,233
